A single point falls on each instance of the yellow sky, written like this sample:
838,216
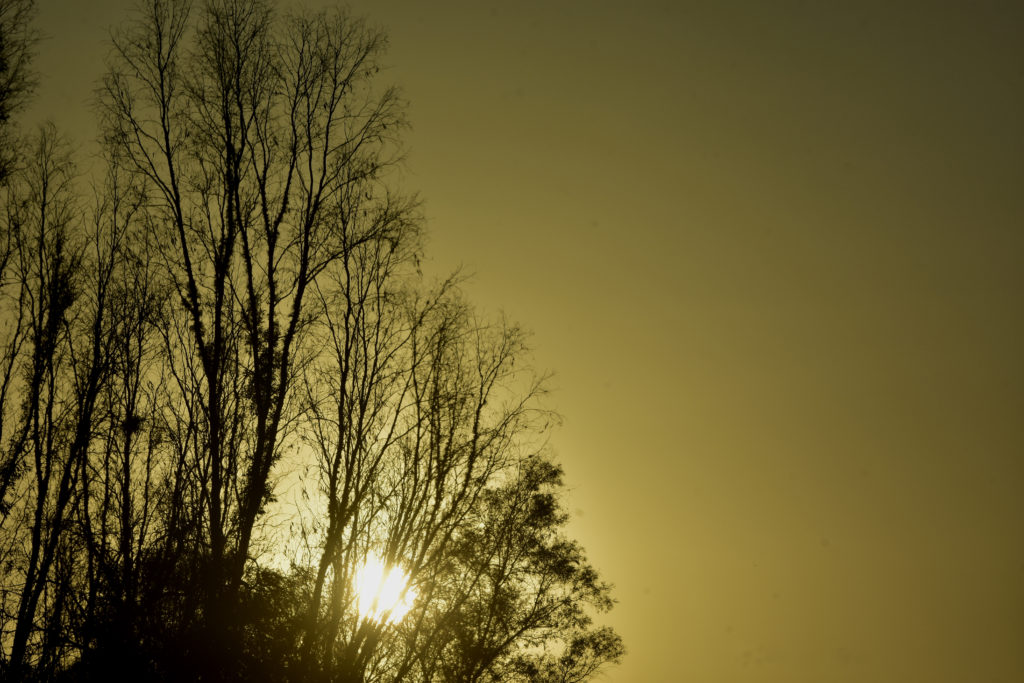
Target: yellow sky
775,253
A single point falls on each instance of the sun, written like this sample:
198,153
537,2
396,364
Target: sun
383,593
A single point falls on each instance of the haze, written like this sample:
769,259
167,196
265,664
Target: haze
774,253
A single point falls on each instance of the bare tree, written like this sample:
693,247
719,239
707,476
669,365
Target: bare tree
359,390
250,130
17,40
427,429
119,512
63,302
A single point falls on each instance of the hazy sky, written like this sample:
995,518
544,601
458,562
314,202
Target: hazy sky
775,253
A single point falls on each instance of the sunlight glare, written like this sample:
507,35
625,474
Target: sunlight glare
382,593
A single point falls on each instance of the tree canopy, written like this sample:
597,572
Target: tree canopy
241,436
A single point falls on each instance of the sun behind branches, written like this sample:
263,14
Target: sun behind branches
382,593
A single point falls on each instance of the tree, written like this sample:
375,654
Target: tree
251,144
17,40
242,317
59,342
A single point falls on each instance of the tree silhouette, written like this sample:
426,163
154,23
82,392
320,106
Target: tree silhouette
17,40
226,387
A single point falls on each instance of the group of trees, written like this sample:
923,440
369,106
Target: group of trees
224,385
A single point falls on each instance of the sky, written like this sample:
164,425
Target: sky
774,253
